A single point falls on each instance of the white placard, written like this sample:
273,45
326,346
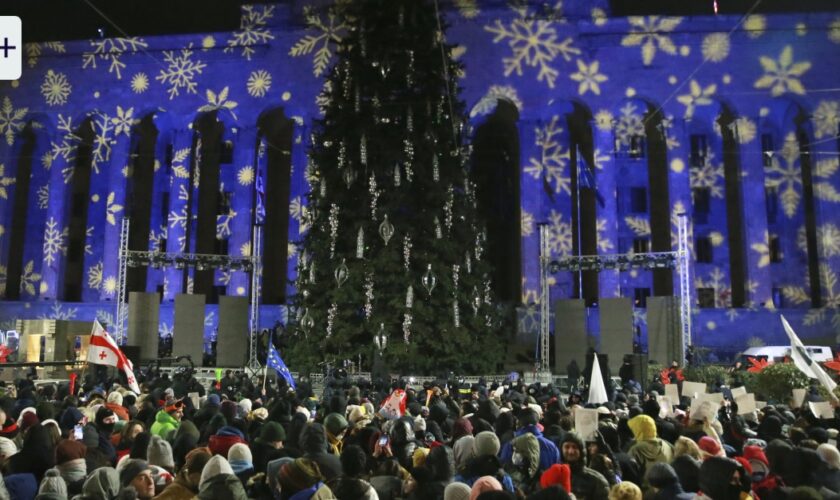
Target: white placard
11,49
499,391
586,422
703,409
822,410
693,389
738,392
673,392
716,397
746,403
760,404
799,397
665,407
195,399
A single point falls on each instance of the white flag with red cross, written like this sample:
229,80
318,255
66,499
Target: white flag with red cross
104,351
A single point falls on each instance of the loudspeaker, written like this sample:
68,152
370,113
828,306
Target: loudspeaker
232,347
143,316
665,343
616,329
188,336
570,342
640,370
132,352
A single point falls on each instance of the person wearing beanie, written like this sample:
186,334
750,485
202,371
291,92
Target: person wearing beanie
302,479
159,453
313,444
484,484
70,418
350,483
269,444
464,451
21,486
664,483
137,474
218,481
168,419
457,491
557,474
52,487
335,425
115,404
710,447
484,461
720,479
224,438
94,457
486,443
648,448
71,465
104,482
549,453
688,472
241,461
586,482
7,449
27,419
830,478
185,484
764,480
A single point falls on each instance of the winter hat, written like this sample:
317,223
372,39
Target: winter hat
625,490
215,466
299,475
52,486
758,460
212,401
272,432
486,444
335,424
103,482
419,457
688,472
643,427
27,419
45,411
159,453
115,398
91,436
68,450
559,474
196,460
710,447
464,451
419,424
245,406
484,483
228,410
830,455
7,447
21,485
661,475
130,468
240,458
687,446
70,418
456,491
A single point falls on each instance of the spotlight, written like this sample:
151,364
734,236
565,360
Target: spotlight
100,32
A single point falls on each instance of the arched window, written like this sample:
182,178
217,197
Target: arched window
19,212
76,206
734,212
139,196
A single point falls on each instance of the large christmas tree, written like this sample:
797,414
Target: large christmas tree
396,246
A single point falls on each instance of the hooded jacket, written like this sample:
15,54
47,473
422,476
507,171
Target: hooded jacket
587,484
164,424
313,443
648,449
715,476
549,454
103,483
663,478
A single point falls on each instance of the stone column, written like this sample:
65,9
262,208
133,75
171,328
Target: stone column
606,182
179,194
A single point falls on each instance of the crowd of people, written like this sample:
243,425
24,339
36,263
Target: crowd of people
237,440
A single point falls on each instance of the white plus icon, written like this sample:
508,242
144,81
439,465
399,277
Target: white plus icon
11,41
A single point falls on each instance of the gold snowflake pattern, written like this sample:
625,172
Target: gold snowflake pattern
112,209
639,225
716,280
4,182
139,83
715,47
29,278
630,124
299,212
551,165
697,96
488,103
223,224
526,223
245,176
95,276
109,286
11,120
245,249
34,51
55,88
123,121
468,8
112,50
253,29
329,30
784,174
605,244
652,34
588,77
533,43
826,117
830,297
709,175
834,30
180,72
755,25
44,196
828,240
259,82
604,120
54,241
745,130
218,101
559,235
783,75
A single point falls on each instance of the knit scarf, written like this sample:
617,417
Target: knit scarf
73,470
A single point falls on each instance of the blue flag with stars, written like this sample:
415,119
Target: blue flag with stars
276,362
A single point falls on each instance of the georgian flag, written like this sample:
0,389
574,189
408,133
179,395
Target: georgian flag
104,351
805,363
394,405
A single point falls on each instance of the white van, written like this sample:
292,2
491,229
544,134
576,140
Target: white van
778,353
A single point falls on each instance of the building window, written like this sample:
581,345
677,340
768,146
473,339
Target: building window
224,202
638,200
771,195
637,146
702,198
641,245
699,149
767,149
703,250
226,157
706,297
778,298
640,296
775,248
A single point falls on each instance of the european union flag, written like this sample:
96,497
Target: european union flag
275,361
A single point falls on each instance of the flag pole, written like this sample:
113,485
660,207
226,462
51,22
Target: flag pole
265,369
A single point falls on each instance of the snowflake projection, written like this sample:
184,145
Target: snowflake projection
253,29
54,241
178,218
697,96
715,47
551,165
210,319
830,298
488,103
588,77
59,312
181,71
783,75
44,196
526,223
599,159
763,250
95,276
605,245
328,30
219,101
559,235
534,43
745,130
223,224
112,209
123,121
259,82
109,286
157,239
709,175
834,30
630,124
639,225
468,8
66,149
783,173
105,317
245,176
716,280
223,279
55,88
34,51
179,169
139,83
29,278
651,33
112,50
5,182
826,117
11,120
755,25
245,249
300,213
828,240
604,120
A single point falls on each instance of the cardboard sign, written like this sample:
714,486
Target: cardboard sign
498,392
665,406
194,398
738,392
693,389
822,410
799,397
586,423
716,397
746,403
672,392
703,410
760,404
